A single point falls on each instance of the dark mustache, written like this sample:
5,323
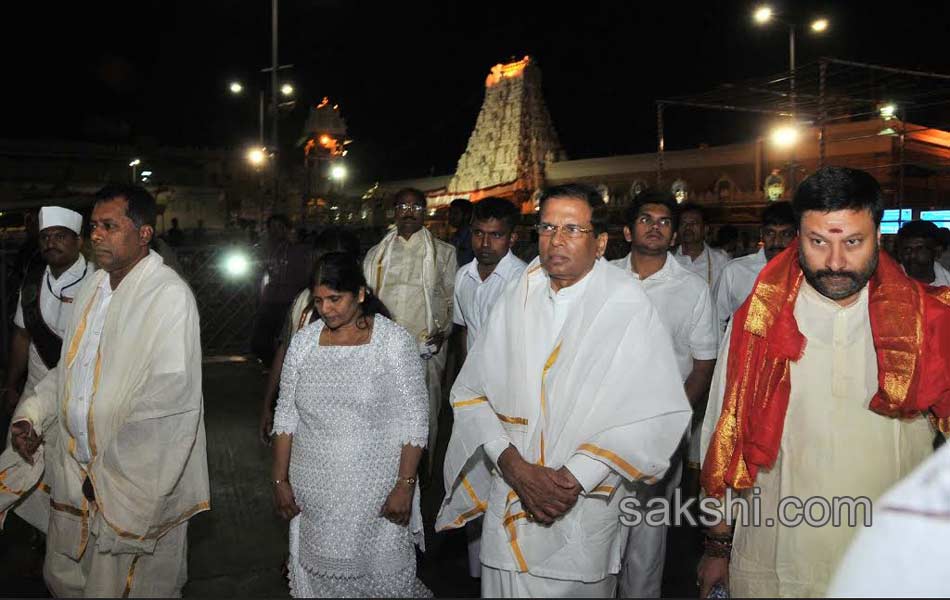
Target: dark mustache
829,273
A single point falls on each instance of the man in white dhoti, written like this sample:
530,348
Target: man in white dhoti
693,252
905,554
478,286
738,276
569,394
683,302
127,465
918,244
834,367
413,273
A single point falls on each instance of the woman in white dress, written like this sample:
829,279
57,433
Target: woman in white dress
350,427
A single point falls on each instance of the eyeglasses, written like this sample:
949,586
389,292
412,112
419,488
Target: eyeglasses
571,230
57,236
494,235
410,207
649,221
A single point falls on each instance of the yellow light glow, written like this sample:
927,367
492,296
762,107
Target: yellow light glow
819,25
256,156
785,136
324,140
338,172
762,15
507,70
135,162
888,111
287,89
236,87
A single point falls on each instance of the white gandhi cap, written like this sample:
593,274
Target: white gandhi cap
57,216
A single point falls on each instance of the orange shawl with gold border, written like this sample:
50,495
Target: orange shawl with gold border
910,323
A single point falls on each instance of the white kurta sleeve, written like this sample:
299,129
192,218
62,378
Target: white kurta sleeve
285,414
40,408
587,471
449,267
723,298
457,317
407,373
704,328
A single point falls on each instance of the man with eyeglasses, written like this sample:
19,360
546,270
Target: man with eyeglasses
46,302
569,394
779,228
413,273
685,307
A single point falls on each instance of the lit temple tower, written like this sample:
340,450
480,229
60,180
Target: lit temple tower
512,141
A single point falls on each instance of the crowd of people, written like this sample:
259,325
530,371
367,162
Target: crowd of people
586,393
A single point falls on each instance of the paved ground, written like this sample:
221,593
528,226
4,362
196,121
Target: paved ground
237,548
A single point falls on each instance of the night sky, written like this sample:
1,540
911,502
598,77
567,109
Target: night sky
409,76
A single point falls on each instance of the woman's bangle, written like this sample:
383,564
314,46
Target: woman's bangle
407,480
277,482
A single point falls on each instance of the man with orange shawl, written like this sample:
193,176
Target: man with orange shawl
834,374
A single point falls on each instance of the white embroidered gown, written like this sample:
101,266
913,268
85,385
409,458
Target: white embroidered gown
350,410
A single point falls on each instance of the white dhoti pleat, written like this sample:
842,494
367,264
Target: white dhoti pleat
511,584
473,532
435,370
98,574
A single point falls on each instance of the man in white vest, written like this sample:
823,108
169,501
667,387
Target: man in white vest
570,394
127,466
413,273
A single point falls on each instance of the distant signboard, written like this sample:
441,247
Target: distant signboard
902,214
935,215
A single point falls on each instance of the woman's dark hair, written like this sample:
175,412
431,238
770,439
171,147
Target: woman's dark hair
341,271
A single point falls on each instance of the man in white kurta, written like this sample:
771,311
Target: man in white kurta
810,317
683,302
413,273
569,395
918,247
128,467
832,446
738,276
693,251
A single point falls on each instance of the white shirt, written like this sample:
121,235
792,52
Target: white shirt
942,275
735,284
54,311
707,265
555,310
474,298
685,306
82,376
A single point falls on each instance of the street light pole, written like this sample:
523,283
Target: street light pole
791,97
273,101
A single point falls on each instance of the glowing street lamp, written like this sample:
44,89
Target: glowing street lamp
132,164
287,89
256,156
819,25
236,264
338,172
236,87
762,15
888,111
785,136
